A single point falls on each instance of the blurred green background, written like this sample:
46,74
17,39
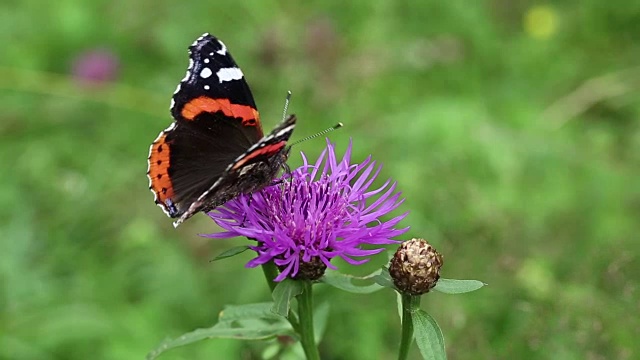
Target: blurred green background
511,126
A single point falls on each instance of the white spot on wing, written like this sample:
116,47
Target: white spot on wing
229,74
206,61
200,38
207,87
205,73
171,127
223,50
246,169
284,131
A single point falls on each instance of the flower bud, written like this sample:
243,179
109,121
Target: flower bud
415,267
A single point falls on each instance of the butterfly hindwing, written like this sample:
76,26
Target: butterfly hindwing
251,171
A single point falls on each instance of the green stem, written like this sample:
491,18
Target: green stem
305,328
409,304
270,272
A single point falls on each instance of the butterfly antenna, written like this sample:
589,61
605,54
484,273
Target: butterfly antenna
286,105
334,127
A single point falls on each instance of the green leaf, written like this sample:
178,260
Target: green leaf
231,252
452,286
345,282
428,336
248,311
399,304
384,279
282,295
390,254
258,332
271,351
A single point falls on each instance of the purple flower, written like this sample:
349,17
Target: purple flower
316,213
95,66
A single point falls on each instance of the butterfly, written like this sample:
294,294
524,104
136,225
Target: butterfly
215,149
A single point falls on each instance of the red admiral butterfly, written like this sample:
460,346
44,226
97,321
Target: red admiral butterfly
215,149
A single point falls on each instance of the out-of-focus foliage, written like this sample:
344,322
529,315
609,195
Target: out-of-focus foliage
512,128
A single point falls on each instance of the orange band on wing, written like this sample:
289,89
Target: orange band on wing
195,107
159,170
269,149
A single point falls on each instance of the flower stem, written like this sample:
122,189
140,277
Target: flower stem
305,328
409,304
270,272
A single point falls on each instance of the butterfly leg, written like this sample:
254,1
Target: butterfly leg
244,218
286,168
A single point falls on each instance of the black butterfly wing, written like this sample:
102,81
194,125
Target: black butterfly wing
216,121
251,171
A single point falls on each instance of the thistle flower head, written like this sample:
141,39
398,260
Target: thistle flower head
313,214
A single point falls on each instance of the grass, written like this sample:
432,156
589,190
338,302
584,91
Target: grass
512,129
